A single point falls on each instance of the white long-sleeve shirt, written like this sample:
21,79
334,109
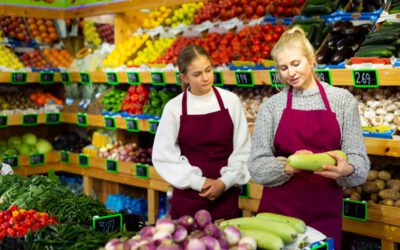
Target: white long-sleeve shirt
174,167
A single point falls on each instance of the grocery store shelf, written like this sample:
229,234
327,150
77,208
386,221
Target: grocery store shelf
383,147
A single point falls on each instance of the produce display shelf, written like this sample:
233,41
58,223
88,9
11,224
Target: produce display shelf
16,120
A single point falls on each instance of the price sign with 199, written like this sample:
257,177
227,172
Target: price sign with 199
107,224
36,159
18,77
3,121
365,78
355,210
11,160
244,78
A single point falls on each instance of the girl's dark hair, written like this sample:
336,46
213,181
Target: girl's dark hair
186,56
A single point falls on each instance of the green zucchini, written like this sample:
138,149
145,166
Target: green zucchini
378,40
374,53
315,10
313,162
379,47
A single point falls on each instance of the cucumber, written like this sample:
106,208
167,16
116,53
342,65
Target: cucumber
315,10
375,53
379,40
379,47
313,162
311,33
298,224
316,2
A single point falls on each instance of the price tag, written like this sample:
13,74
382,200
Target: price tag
36,159
244,78
11,160
355,210
153,125
82,119
112,78
30,120
18,77
107,224
132,125
274,79
110,123
133,78
158,78
324,75
178,79
85,78
218,78
3,121
83,160
323,246
142,170
365,78
65,77
52,118
112,166
46,77
244,191
64,155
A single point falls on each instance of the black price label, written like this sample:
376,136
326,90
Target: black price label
18,77
365,78
153,125
355,210
133,78
64,155
107,224
11,160
85,78
36,159
46,77
244,78
65,77
158,78
324,75
142,170
178,79
82,119
83,160
30,120
132,125
110,123
218,78
323,246
244,191
112,166
274,79
53,118
112,78
3,121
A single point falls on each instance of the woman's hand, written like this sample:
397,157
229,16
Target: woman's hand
342,168
212,189
290,170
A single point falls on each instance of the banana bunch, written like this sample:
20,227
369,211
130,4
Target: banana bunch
271,231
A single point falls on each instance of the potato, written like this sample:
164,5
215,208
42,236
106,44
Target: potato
389,194
348,191
374,197
380,184
386,202
397,203
359,189
372,175
370,187
371,202
355,196
394,184
384,175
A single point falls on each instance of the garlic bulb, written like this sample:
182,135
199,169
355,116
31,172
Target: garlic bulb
369,113
388,117
377,121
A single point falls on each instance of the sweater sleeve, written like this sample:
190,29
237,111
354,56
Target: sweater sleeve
167,158
237,173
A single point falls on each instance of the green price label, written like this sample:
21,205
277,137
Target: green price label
83,160
157,78
153,125
82,119
365,78
85,78
244,78
324,75
133,78
110,123
3,121
323,246
112,78
36,159
274,79
52,118
218,78
107,224
178,79
19,77
65,77
46,77
112,166
355,210
64,156
142,170
30,120
132,124
11,160
244,191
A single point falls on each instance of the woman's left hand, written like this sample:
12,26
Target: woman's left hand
216,188
342,168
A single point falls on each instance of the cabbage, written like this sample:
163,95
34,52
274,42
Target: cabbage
24,149
14,140
29,139
43,146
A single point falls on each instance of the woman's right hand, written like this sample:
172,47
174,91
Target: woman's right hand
290,170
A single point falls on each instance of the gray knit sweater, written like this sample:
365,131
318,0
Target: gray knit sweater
263,166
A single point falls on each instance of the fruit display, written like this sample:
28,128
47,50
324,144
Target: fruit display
70,141
42,98
286,8
26,144
91,34
151,52
156,17
58,57
16,101
14,27
315,29
157,100
394,7
123,51
9,59
106,32
43,30
209,12
365,6
134,99
319,7
184,14
34,59
129,152
112,100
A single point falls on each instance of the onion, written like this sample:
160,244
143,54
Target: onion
171,246
166,225
114,244
196,244
162,237
147,232
223,244
232,235
202,218
187,222
180,234
248,242
213,230
211,243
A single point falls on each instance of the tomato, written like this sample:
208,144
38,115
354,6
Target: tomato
13,208
10,231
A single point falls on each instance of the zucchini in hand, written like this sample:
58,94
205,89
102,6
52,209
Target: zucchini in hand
313,162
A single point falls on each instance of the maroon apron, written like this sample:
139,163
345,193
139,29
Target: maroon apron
207,141
315,199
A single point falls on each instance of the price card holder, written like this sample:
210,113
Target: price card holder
133,78
178,79
142,170
30,120
112,166
65,77
244,78
355,210
244,191
82,120
218,78
107,224
157,78
52,118
46,77
365,78
83,160
132,124
85,78
153,125
11,160
36,159
323,246
112,78
64,156
3,121
274,79
110,123
19,77
324,75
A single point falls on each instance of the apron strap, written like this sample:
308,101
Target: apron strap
220,102
184,101
321,91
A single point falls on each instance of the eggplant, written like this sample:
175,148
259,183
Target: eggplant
332,39
340,56
341,25
324,54
345,42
